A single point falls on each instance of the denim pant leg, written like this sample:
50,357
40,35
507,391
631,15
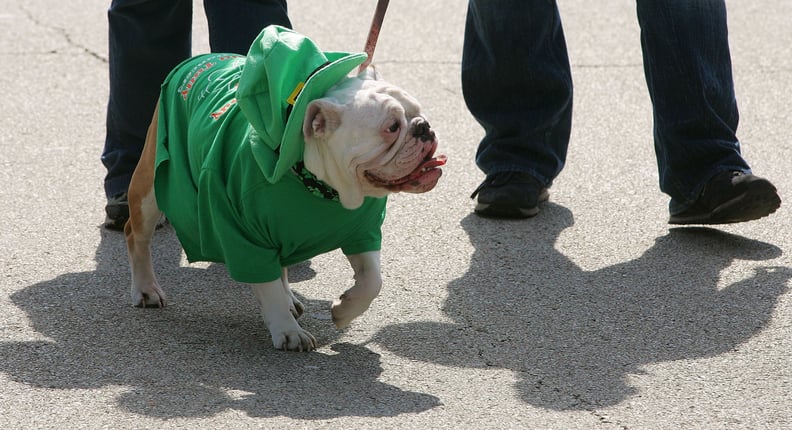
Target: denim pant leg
688,72
234,24
147,38
517,83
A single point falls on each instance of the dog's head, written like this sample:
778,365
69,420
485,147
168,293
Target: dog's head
367,137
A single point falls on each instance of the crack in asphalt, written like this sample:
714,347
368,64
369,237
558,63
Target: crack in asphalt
63,33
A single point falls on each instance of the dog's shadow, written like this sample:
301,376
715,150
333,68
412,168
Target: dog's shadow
573,337
205,353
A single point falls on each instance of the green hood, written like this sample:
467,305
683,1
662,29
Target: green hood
283,72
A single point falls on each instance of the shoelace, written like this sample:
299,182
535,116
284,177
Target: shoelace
495,179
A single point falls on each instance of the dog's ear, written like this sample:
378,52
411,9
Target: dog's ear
322,117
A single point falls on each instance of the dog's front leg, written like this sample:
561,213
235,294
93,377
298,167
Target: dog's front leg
276,309
368,282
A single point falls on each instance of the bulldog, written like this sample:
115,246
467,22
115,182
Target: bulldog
266,160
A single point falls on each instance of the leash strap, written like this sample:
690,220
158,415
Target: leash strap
376,25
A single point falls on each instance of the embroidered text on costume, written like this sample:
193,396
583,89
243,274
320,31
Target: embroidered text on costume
194,78
218,113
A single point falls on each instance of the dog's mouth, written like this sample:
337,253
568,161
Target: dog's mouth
422,178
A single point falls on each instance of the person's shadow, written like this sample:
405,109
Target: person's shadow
207,352
572,336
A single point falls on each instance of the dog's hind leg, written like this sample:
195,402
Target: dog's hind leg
143,218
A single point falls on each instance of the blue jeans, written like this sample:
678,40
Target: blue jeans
517,83
147,39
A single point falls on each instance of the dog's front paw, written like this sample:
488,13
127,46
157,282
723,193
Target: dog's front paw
151,296
279,308
293,340
348,307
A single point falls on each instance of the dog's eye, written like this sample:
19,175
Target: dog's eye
394,127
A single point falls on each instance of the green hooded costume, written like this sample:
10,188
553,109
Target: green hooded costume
229,136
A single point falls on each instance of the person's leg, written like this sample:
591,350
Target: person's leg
234,24
689,76
147,38
517,83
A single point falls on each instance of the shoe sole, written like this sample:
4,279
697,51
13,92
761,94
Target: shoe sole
489,210
758,201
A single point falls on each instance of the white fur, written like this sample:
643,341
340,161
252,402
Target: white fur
343,135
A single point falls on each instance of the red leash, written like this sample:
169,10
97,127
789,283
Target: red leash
376,24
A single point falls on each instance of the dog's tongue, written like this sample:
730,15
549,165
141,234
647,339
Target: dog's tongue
427,165
438,161
422,179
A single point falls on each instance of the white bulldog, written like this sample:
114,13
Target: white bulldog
365,138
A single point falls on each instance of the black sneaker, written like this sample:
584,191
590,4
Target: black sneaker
117,211
509,195
731,197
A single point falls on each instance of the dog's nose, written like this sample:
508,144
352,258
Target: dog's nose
423,131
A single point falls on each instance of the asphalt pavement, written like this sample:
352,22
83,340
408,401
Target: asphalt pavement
596,314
